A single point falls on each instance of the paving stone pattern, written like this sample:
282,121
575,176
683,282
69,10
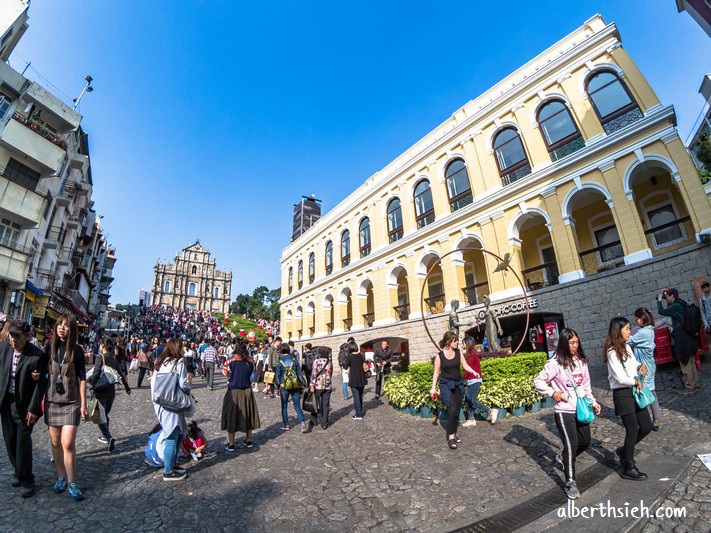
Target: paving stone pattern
388,472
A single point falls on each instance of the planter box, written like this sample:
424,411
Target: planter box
547,402
535,407
502,414
426,412
462,416
518,411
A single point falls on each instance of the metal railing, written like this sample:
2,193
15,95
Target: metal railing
347,323
670,236
515,175
544,275
329,327
474,294
24,181
329,269
40,129
368,319
55,234
43,279
436,303
602,258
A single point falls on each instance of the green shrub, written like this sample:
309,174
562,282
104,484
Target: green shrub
516,366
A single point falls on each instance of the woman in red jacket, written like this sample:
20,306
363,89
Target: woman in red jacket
474,381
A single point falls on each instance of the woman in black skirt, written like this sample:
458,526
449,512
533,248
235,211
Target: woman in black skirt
65,403
623,372
239,408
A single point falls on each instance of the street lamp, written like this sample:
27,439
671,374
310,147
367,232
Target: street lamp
87,89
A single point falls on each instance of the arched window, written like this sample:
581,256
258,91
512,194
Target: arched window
166,287
291,279
458,187
191,289
329,257
345,248
312,267
424,206
511,156
216,292
194,271
300,274
394,220
559,131
364,236
612,101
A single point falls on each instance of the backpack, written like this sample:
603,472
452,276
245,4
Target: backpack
291,378
343,355
692,319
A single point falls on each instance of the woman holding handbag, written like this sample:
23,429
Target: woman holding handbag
173,423
65,402
566,379
622,373
105,389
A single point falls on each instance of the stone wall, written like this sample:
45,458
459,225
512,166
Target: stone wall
587,304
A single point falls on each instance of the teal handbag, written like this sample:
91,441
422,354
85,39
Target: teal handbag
583,406
643,397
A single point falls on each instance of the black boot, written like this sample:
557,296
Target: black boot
630,472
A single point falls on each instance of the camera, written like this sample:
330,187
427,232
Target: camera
59,388
664,294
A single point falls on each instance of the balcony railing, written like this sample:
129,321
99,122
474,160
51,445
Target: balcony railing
670,236
39,128
345,260
329,269
624,120
64,254
603,258
436,303
541,276
329,327
347,323
515,175
43,279
12,245
24,181
474,294
368,319
365,250
567,148
72,294
402,312
55,234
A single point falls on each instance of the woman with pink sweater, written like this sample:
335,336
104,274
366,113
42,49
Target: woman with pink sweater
565,378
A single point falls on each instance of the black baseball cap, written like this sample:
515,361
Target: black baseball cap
20,326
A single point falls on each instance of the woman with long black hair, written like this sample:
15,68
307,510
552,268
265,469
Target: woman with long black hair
65,403
564,378
451,385
107,394
622,371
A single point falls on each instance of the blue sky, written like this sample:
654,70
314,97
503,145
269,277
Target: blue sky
210,119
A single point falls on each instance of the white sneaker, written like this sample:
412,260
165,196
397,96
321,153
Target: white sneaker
469,423
492,415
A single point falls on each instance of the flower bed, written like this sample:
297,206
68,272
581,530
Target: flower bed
507,385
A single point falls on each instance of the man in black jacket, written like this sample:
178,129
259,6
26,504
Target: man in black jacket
21,401
383,359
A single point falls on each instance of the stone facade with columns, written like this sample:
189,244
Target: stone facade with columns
192,281
570,168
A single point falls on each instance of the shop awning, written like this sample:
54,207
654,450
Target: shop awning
34,289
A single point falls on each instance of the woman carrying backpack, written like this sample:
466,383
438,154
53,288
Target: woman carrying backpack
289,381
685,344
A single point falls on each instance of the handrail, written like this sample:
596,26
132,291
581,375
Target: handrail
403,311
667,225
40,130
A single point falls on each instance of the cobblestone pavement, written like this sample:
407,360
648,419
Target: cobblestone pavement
389,471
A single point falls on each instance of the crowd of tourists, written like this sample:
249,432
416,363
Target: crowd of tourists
175,346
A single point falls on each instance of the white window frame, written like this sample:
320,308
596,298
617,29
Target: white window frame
593,226
669,201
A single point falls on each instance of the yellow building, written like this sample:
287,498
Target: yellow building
571,166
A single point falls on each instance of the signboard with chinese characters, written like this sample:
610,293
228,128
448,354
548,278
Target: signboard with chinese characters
40,307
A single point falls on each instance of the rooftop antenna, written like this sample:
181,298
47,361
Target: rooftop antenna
87,89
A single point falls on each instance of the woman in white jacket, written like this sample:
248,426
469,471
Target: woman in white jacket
173,424
622,372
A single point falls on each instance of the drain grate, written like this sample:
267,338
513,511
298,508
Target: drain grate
538,506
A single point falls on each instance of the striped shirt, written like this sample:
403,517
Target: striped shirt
210,355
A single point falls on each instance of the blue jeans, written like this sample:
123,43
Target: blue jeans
358,400
296,400
170,453
471,396
345,390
